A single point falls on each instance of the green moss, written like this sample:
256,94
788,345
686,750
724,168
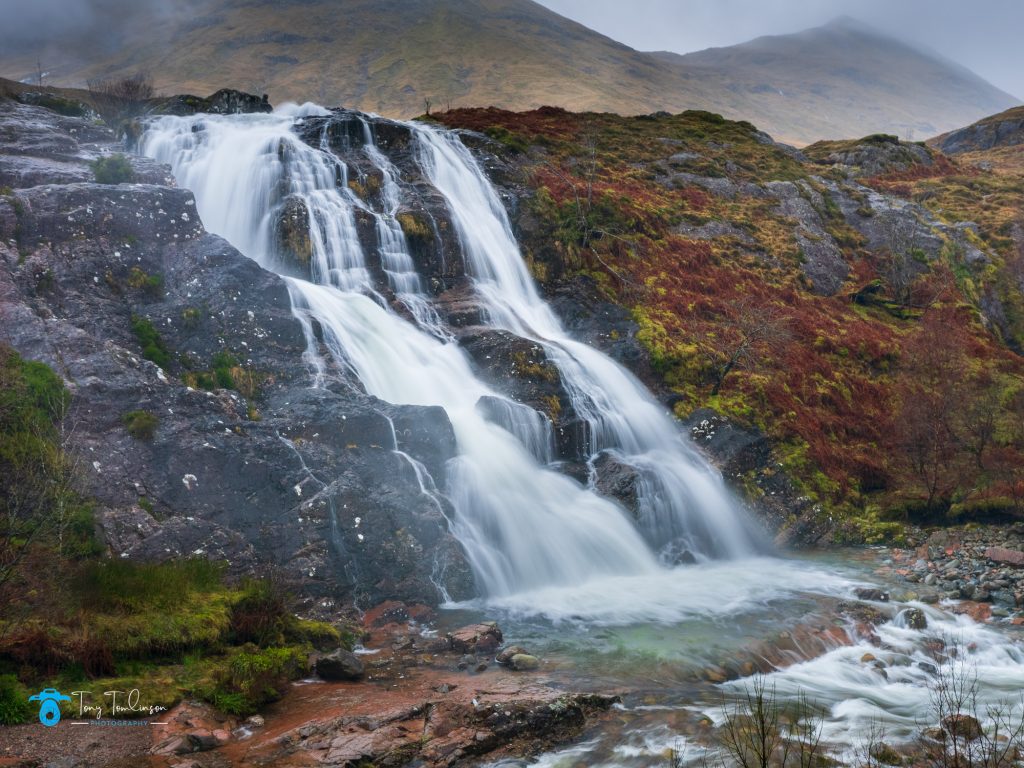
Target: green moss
141,424
115,169
15,707
153,347
151,285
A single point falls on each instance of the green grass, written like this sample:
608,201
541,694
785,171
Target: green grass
141,424
153,347
115,169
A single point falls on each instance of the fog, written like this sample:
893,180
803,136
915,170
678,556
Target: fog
984,36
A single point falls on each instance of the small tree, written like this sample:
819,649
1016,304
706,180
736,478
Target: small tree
748,330
121,99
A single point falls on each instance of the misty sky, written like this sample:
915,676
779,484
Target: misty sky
984,35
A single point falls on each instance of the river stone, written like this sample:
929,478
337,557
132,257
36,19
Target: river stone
871,593
506,654
1005,556
962,726
340,665
475,638
914,618
524,662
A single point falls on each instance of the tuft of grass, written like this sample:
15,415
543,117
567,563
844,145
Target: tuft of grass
115,169
153,347
15,707
141,424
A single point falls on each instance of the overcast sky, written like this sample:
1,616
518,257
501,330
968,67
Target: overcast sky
987,36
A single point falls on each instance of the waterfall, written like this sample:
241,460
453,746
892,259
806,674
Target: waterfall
682,500
523,525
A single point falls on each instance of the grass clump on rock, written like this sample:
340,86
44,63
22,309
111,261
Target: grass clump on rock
114,169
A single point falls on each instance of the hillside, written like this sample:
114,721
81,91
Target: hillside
842,80
990,133
401,60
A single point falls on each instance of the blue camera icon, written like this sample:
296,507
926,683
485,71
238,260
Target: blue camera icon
49,706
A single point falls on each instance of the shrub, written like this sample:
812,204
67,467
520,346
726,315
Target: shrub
153,347
141,424
261,616
114,169
15,707
255,677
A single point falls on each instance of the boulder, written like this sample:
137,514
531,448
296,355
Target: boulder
340,665
505,655
1005,556
962,726
872,593
475,638
913,618
524,662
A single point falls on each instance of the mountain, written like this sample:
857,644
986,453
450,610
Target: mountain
402,58
841,80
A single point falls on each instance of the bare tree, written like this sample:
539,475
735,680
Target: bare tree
119,100
748,331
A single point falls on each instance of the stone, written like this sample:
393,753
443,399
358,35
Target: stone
1005,556
913,618
961,726
524,662
505,655
475,638
872,593
340,665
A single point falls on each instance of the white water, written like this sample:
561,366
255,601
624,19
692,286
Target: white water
523,526
683,502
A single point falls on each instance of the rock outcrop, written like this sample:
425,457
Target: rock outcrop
121,290
1003,130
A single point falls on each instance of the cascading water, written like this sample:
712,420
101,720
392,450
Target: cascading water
522,525
681,498
538,541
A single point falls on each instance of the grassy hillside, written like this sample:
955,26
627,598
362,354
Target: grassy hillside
395,58
882,406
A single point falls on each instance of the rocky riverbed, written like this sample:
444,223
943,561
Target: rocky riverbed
980,564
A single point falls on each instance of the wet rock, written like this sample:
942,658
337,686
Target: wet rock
913,618
291,232
226,101
340,665
962,726
871,593
505,655
481,638
885,754
523,662
305,480
617,480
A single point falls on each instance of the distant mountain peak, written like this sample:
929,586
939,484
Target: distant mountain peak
400,58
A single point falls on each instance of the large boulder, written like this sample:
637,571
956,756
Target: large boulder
340,665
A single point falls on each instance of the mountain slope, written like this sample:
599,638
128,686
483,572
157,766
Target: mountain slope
396,58
994,132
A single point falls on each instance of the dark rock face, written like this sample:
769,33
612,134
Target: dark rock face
617,480
226,101
340,665
270,471
521,369
1003,130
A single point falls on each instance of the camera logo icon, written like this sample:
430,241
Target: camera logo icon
49,705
